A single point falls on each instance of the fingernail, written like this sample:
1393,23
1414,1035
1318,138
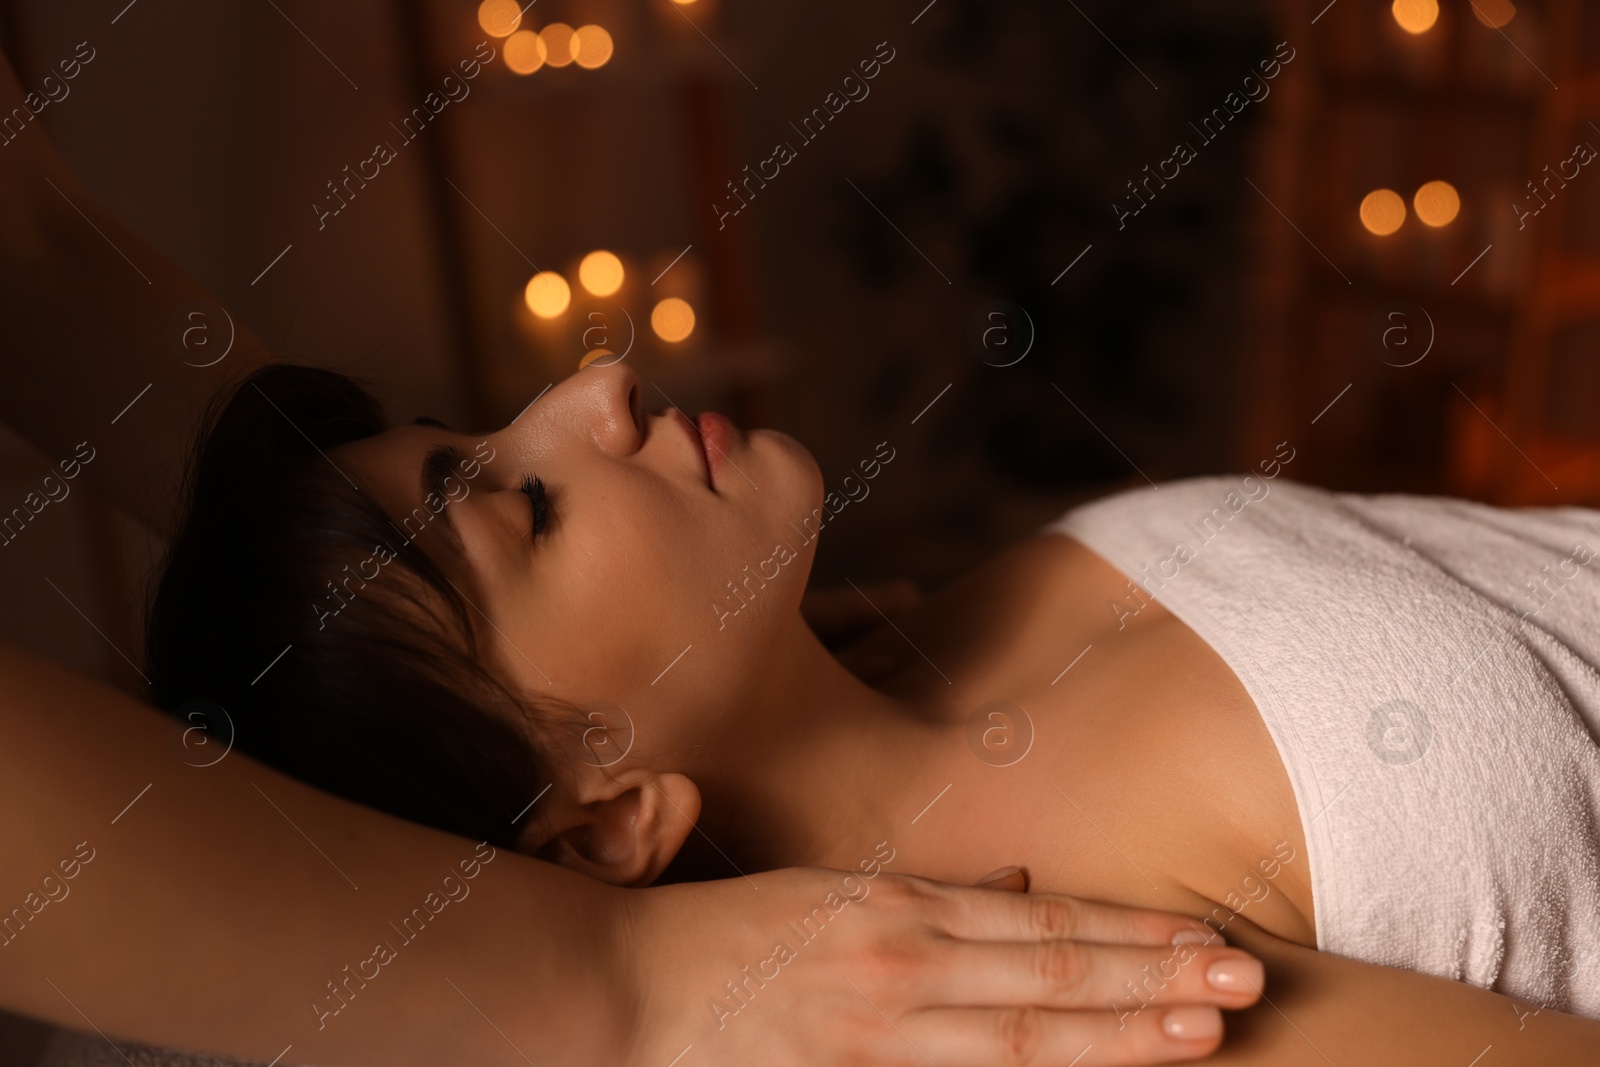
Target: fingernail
1241,974
1192,1023
1197,937
1003,872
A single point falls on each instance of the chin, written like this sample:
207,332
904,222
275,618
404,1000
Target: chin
794,462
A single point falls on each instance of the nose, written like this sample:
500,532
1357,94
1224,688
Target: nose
610,404
599,403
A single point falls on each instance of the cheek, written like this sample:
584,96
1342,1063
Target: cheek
620,588
642,570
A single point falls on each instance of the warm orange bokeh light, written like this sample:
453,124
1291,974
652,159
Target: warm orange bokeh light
591,47
499,17
672,319
1437,203
557,38
1382,211
1494,13
1416,16
601,273
547,294
524,52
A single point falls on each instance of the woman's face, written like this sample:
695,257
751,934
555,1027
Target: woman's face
623,597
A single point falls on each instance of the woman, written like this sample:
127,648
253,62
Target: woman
216,916
582,632
209,907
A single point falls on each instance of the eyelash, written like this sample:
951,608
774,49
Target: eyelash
533,488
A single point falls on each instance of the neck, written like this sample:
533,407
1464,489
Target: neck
815,768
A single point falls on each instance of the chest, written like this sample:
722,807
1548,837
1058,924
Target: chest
1107,745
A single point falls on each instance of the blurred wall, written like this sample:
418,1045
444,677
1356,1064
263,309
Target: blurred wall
839,304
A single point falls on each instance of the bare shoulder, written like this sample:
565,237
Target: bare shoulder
1159,742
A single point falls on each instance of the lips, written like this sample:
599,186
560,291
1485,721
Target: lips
716,435
702,443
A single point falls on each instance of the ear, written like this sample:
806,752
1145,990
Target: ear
627,836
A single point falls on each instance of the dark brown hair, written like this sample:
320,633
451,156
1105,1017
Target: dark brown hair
385,702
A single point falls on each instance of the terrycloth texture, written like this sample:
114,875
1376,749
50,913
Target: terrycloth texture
1430,671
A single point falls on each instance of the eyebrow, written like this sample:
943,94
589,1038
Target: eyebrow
437,465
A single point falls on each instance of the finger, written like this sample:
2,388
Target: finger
983,1037
978,915
1083,974
1006,879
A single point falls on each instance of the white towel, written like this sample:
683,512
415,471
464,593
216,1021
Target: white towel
1430,671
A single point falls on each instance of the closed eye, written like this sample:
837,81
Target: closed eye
538,502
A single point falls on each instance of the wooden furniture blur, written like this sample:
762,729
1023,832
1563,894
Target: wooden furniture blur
1503,405
1550,393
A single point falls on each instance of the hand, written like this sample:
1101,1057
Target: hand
910,973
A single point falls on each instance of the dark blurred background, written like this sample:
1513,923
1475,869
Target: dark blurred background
988,258
1386,253
1347,258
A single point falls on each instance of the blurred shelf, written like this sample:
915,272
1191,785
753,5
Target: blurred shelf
1517,332
1565,290
1541,471
1374,290
1397,92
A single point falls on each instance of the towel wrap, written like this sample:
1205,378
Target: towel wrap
1429,669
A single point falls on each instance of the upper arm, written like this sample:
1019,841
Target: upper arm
1319,1008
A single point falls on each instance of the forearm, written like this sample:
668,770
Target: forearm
1320,1007
216,909
87,312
